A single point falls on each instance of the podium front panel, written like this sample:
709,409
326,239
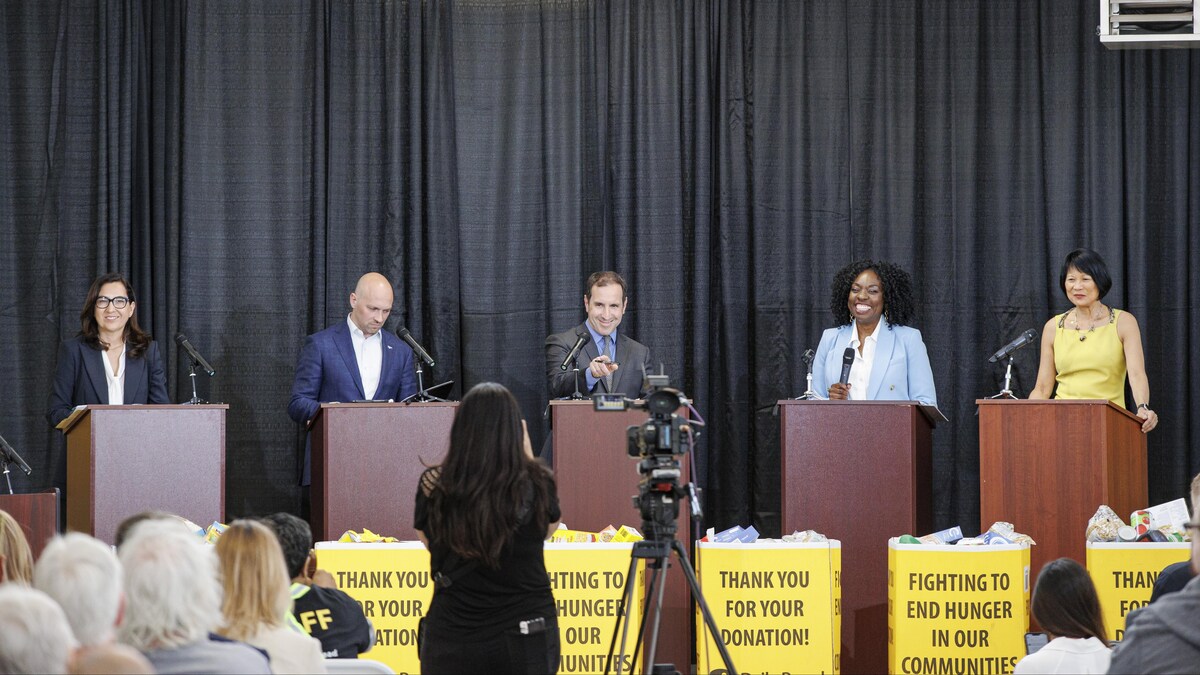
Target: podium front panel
366,461
122,460
1046,466
859,472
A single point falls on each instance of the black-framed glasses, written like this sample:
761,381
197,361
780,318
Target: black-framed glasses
120,302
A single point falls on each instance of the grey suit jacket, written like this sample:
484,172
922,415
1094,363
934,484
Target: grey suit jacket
633,356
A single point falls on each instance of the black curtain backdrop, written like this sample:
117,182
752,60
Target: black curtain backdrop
245,161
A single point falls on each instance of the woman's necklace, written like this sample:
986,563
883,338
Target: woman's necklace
1079,329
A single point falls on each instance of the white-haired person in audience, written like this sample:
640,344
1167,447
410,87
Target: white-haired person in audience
83,576
258,599
173,602
1165,637
34,634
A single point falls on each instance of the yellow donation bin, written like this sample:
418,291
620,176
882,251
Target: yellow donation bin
1124,575
777,606
957,609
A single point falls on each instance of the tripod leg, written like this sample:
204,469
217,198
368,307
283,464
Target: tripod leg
622,617
664,563
652,586
704,611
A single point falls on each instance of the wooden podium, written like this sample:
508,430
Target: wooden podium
38,515
1046,466
124,459
597,480
366,461
859,472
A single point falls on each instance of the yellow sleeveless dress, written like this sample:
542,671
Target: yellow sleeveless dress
1092,367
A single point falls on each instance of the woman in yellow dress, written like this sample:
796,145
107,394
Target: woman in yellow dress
1088,350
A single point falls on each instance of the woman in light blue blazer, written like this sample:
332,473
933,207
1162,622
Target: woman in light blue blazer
872,302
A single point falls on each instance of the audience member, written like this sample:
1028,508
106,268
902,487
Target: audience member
173,601
110,658
257,598
34,634
1165,637
323,611
484,514
1067,607
83,576
16,560
125,527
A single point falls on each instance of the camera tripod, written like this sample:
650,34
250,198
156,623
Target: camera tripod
656,550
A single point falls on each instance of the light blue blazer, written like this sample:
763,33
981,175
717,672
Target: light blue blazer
900,372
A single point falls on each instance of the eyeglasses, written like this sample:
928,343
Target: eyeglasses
120,302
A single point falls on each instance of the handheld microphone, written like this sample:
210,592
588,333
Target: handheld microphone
1024,339
12,456
847,361
583,338
416,346
182,341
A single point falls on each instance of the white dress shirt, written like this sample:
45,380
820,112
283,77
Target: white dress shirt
369,353
860,372
1067,655
116,383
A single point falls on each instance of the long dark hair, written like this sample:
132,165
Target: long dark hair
137,341
487,482
1065,601
899,300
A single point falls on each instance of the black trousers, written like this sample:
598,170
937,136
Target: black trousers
509,653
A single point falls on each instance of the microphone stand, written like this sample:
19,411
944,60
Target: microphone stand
1006,392
423,395
809,394
7,479
196,400
578,395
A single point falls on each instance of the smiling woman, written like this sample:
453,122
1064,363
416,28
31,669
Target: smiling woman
872,301
1088,350
112,361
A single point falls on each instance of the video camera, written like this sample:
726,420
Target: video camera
658,441
664,433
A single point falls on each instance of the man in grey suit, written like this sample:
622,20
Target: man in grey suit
610,361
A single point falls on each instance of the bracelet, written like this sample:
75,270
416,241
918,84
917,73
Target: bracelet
1144,405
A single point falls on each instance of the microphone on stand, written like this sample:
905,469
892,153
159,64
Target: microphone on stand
1022,340
403,334
583,338
11,455
182,341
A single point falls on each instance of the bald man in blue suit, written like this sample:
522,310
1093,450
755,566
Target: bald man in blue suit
353,360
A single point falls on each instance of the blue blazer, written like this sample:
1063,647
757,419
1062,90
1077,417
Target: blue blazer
900,372
80,379
328,371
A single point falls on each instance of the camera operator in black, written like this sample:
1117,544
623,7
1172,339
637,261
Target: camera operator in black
484,514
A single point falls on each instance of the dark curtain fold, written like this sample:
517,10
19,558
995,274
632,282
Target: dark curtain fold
245,162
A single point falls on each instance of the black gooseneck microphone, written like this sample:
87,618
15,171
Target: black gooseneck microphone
182,341
847,361
574,351
11,456
1022,340
403,334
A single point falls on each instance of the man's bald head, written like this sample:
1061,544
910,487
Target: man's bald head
371,302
